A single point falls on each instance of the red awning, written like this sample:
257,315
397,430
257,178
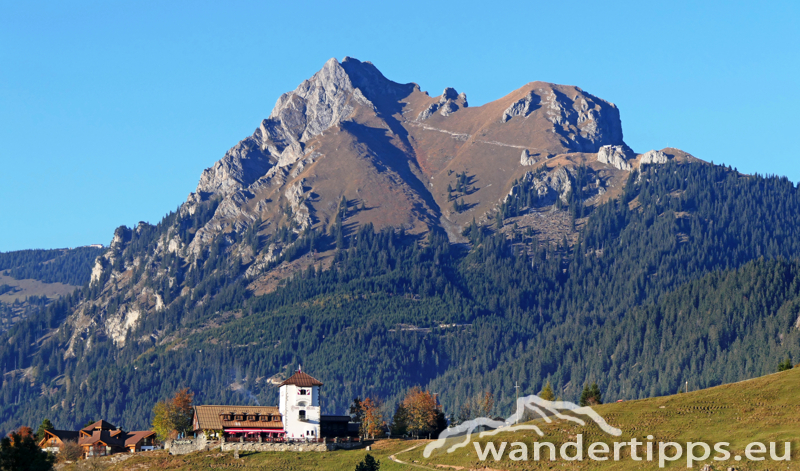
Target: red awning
255,430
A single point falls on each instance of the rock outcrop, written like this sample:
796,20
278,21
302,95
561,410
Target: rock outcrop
587,121
654,157
522,107
448,103
616,156
526,159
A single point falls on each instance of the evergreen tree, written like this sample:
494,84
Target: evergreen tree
591,395
400,421
368,464
356,410
46,425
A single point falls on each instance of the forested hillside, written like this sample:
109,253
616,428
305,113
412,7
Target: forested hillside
691,275
30,279
68,266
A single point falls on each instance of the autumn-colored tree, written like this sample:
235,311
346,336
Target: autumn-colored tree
20,452
547,393
421,410
372,422
174,416
162,422
23,432
481,405
182,403
485,404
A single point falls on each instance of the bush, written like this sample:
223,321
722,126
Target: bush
785,365
70,451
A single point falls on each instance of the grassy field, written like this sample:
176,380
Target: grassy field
765,409
342,460
32,288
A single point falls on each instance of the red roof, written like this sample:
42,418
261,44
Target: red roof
303,380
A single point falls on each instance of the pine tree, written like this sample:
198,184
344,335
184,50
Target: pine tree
357,410
369,464
785,365
400,421
591,395
46,425
547,392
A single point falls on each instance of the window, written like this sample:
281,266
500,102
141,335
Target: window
303,392
302,415
252,417
302,403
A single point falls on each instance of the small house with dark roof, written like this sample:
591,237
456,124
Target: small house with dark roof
102,438
54,439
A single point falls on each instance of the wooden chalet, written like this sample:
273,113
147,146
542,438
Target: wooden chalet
102,438
239,423
54,439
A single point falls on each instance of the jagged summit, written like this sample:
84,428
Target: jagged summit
350,131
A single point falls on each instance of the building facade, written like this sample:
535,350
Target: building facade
102,438
299,406
238,423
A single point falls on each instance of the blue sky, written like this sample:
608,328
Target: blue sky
110,110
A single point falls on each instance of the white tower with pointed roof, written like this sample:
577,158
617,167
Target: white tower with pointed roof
299,406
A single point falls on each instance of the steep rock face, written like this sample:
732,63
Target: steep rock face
584,121
522,107
616,156
557,182
243,164
320,102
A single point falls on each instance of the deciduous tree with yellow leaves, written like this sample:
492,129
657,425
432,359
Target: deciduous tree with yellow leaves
174,416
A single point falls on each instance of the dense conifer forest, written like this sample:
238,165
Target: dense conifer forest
691,275
68,266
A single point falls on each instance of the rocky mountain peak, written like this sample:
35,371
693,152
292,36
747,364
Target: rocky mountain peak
327,99
585,122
